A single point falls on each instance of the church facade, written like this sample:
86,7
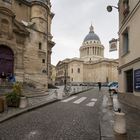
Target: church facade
91,67
26,40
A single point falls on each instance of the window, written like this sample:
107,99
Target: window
125,42
129,80
43,60
125,7
40,45
78,70
72,70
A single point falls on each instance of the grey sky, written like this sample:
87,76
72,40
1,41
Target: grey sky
71,24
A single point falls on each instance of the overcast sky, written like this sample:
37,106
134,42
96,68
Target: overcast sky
71,24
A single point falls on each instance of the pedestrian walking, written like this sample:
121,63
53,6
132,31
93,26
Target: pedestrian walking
3,78
99,85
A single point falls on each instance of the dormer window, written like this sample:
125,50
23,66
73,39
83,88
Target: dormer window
126,7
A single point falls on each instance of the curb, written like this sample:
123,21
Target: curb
39,95
80,92
28,109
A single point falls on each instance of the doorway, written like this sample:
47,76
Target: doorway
129,80
6,60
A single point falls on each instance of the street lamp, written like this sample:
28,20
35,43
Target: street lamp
65,78
109,8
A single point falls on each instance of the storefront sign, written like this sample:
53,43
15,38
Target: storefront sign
113,45
137,80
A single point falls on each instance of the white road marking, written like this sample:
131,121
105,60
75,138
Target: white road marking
91,104
69,99
80,100
93,99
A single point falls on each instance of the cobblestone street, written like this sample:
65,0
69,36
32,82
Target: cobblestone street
71,120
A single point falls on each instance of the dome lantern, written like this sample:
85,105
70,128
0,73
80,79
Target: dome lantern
91,29
91,35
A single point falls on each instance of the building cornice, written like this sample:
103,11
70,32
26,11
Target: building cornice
128,18
7,11
129,63
41,4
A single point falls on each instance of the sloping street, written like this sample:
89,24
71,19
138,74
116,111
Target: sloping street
74,118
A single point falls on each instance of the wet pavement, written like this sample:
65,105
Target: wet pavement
106,116
132,116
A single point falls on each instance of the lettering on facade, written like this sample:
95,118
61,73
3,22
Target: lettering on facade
137,80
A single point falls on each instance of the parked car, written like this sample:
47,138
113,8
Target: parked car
112,83
114,88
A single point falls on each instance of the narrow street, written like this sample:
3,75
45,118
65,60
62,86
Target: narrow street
74,118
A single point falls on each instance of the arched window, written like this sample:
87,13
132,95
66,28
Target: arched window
40,46
78,70
72,70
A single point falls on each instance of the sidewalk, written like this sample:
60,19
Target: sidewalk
37,100
106,115
33,102
132,116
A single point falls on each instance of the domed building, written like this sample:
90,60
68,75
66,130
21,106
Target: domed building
91,67
91,49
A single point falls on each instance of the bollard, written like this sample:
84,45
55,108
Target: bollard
120,122
73,90
110,102
77,89
55,93
23,102
58,95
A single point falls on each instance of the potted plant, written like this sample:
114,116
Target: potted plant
13,98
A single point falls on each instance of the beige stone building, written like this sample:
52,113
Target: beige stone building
53,74
26,40
62,72
129,52
91,67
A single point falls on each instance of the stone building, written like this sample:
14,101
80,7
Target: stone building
26,40
62,72
91,67
53,74
129,52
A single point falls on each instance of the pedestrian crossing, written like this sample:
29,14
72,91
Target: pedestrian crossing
69,99
79,100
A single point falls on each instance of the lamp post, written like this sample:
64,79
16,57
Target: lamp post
109,8
65,78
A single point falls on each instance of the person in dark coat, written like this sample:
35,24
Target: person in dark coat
99,85
3,77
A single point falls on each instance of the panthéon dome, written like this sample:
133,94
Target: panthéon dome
91,35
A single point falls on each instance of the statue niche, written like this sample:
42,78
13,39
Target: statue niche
4,27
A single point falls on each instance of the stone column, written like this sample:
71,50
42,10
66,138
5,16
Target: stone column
90,51
95,50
